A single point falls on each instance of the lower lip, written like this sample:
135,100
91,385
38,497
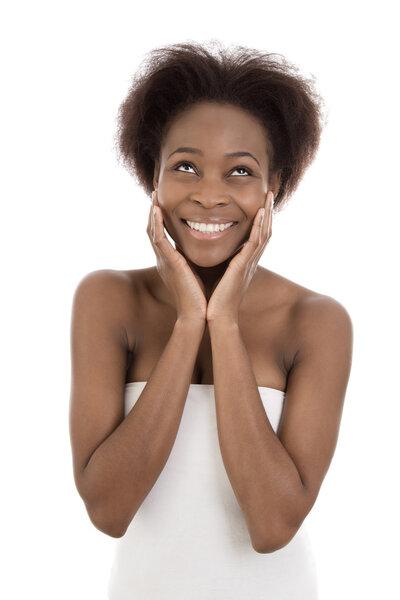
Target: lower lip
208,236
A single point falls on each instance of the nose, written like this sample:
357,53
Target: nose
209,194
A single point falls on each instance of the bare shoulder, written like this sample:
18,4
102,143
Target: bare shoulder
304,305
309,318
319,321
115,291
316,313
108,286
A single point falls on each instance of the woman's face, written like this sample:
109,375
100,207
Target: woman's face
197,180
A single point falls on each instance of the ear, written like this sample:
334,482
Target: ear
156,173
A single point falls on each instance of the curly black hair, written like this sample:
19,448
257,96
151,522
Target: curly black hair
173,77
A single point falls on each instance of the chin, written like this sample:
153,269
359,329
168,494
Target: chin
208,261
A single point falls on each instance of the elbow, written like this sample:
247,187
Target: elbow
112,530
108,526
102,514
274,541
280,530
107,523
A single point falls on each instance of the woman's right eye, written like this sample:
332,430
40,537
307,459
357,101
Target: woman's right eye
184,164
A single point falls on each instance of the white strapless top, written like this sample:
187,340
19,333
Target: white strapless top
189,539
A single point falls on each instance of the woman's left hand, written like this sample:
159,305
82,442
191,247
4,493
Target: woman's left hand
228,294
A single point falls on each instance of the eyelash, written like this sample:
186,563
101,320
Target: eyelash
190,165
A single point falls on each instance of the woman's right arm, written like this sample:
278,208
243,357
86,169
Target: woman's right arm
117,460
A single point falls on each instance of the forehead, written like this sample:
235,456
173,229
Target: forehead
211,125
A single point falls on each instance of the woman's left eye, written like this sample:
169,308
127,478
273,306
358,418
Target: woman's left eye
242,169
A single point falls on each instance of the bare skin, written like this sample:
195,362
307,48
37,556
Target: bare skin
169,326
269,306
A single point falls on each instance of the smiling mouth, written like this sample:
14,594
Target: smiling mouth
212,235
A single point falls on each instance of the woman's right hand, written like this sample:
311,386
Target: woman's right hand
185,286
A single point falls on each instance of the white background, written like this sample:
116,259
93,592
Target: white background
68,208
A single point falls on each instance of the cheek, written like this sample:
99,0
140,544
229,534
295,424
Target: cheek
246,231
168,198
166,204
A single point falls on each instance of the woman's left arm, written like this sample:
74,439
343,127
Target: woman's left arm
276,477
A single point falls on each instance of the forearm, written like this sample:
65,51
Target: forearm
124,468
264,478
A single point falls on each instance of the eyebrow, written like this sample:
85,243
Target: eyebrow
228,155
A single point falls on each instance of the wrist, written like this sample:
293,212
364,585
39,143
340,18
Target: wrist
225,322
193,324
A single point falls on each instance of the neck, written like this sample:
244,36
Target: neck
210,276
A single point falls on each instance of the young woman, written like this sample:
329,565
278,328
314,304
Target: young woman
207,391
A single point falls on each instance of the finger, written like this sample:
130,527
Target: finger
156,218
264,243
160,239
151,226
261,226
267,225
264,233
271,208
269,202
149,220
248,249
256,231
265,228
153,213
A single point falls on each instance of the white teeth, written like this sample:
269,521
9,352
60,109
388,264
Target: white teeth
208,227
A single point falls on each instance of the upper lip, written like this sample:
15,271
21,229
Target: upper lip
209,220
